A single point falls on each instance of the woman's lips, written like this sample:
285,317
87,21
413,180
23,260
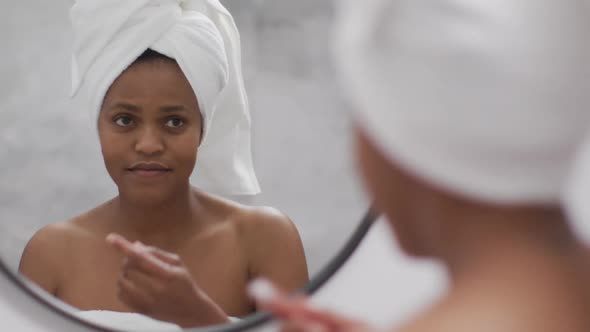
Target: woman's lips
149,170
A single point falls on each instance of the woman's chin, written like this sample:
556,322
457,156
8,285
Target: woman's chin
147,196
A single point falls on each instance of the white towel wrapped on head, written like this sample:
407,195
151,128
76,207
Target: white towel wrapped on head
202,37
485,99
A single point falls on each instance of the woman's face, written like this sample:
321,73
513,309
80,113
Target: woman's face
150,128
410,205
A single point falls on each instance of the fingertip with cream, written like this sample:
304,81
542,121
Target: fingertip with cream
262,290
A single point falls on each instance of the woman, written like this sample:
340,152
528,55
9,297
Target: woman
183,250
470,117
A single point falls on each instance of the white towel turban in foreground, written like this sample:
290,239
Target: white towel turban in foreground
486,99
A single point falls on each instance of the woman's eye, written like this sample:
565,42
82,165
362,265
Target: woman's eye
174,123
124,121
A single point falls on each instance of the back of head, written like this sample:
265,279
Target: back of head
486,102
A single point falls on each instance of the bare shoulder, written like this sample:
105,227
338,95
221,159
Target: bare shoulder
442,316
274,246
252,222
47,254
269,240
61,235
516,308
49,240
265,223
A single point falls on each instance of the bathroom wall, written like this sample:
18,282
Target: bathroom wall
50,162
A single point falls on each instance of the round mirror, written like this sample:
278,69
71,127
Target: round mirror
57,173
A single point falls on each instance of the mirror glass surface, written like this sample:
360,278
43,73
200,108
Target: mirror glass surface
53,168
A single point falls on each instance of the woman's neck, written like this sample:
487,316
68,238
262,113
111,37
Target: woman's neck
501,239
151,221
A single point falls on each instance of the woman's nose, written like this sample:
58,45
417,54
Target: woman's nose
149,142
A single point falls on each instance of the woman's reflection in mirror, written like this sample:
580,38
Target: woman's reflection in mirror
163,247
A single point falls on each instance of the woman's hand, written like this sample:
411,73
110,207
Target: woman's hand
157,284
297,314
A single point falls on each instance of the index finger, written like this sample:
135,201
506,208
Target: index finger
121,244
139,256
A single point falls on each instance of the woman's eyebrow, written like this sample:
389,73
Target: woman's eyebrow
126,106
136,109
173,108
